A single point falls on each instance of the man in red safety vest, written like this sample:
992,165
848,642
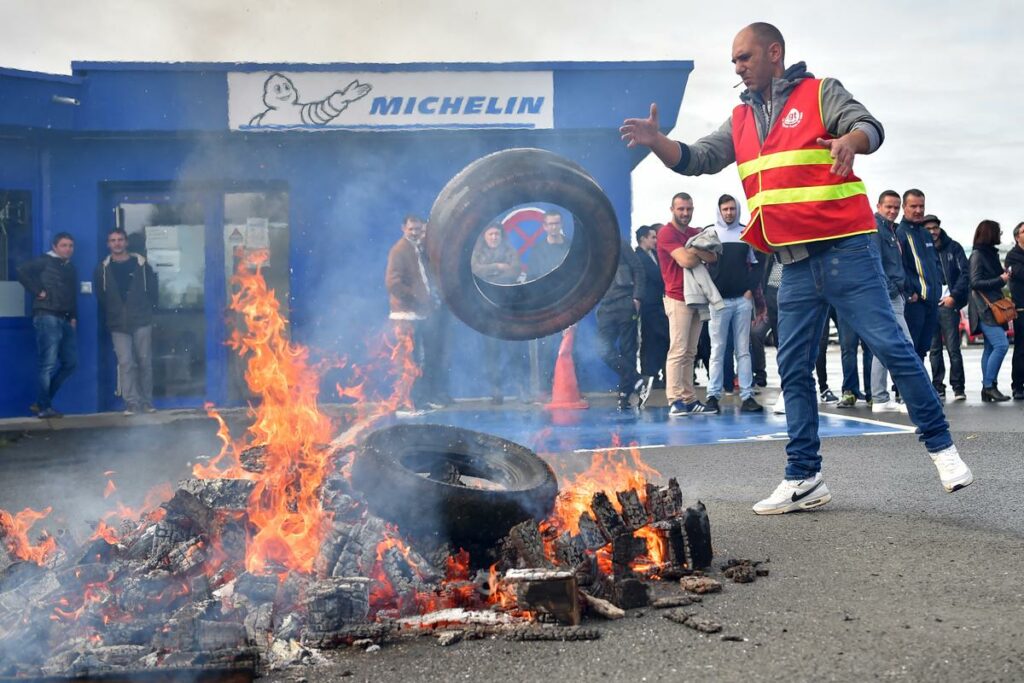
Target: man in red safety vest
794,139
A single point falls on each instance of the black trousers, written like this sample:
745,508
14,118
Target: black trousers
1017,372
948,335
653,341
617,340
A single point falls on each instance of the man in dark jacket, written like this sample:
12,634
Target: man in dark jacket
955,287
617,315
923,274
1015,270
52,281
886,211
653,321
126,289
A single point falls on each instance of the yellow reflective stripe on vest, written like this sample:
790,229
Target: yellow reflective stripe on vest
796,157
794,195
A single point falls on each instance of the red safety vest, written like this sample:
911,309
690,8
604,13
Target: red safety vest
792,196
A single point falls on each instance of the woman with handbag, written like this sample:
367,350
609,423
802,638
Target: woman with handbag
987,280
1015,268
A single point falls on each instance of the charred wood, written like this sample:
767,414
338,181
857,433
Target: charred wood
602,607
626,548
608,518
633,512
697,528
346,635
591,535
569,550
700,584
553,633
632,593
547,592
700,623
527,541
333,603
675,601
257,588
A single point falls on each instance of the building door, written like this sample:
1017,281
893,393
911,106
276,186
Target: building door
171,231
194,240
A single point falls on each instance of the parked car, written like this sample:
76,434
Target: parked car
965,331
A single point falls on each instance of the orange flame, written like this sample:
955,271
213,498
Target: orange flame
611,470
284,507
14,535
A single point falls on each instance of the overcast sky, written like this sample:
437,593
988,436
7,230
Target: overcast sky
943,77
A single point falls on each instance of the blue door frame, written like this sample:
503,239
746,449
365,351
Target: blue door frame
214,289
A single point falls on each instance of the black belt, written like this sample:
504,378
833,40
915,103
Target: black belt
57,314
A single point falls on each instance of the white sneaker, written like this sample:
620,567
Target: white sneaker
790,496
890,406
780,405
954,473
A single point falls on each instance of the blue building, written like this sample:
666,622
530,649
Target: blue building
317,162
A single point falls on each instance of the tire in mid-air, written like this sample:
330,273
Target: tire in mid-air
548,304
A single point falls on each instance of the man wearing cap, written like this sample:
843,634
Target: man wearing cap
955,288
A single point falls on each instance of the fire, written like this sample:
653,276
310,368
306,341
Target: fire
611,470
284,508
14,534
657,552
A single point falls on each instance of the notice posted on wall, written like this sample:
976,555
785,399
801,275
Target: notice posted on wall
165,260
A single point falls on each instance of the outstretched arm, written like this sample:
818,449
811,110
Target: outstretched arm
645,132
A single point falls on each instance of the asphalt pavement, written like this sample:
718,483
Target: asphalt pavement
894,579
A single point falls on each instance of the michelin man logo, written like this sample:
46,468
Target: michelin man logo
793,118
284,109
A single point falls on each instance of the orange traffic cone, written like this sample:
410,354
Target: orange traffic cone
565,392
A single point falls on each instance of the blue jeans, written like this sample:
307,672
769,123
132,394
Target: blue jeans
735,317
879,375
996,345
849,277
55,345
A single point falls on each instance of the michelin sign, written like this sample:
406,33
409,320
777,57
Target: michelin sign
323,100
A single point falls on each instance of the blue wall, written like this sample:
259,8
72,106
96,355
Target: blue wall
348,192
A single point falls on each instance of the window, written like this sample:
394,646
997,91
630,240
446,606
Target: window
15,249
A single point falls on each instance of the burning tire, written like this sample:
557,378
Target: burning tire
493,184
469,486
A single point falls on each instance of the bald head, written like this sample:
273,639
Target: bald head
766,34
758,52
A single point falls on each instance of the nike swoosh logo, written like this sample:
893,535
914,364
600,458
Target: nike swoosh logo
806,493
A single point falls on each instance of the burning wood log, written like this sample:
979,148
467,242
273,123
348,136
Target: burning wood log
634,514
602,607
665,503
608,518
529,545
570,550
626,548
346,635
548,592
456,617
591,535
632,593
555,633
333,603
697,528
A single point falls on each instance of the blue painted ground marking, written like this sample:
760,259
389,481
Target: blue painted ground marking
581,430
